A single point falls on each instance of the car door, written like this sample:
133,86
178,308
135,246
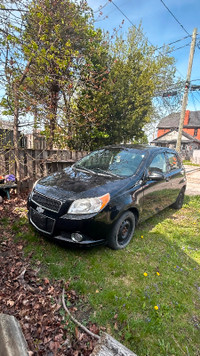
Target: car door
156,193
176,174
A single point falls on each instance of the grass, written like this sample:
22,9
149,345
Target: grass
189,163
147,296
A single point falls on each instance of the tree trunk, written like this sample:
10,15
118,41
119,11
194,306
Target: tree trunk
53,113
16,136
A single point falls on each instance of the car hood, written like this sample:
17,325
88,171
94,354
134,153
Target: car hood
73,183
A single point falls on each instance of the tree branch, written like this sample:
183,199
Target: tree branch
76,321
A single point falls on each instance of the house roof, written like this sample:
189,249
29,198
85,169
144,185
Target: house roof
172,136
172,120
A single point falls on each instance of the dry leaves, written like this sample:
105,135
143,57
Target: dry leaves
34,302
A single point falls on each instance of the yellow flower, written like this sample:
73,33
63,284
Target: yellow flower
156,307
145,274
142,237
158,274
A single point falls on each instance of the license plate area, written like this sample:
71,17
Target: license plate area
42,222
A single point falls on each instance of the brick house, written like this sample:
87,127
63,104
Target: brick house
168,132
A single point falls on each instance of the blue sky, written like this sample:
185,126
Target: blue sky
160,28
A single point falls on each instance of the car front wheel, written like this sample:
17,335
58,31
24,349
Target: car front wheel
122,231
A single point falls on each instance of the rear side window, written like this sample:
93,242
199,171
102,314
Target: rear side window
173,161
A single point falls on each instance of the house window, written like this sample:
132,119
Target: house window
195,132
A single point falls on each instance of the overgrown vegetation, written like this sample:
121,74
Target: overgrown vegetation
81,87
146,296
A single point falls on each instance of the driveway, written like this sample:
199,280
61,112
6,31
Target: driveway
193,180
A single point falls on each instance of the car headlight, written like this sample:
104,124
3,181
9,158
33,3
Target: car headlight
89,205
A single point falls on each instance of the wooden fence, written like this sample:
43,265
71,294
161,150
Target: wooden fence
37,163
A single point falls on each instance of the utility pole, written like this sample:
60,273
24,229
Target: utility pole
185,96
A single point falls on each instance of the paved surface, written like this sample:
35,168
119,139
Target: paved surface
193,180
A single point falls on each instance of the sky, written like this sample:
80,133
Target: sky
161,26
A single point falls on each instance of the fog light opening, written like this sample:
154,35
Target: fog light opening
76,237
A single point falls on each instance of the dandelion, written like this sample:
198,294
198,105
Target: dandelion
142,237
145,274
158,274
156,307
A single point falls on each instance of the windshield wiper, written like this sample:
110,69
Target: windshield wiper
107,173
84,169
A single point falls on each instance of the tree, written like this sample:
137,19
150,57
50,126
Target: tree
89,91
45,57
60,37
118,111
13,68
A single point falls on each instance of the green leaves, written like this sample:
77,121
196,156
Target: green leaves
93,91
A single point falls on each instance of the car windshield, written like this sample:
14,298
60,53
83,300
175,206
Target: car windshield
112,161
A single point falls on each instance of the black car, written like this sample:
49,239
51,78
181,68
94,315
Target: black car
102,197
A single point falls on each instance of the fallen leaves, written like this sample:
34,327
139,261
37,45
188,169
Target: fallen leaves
35,302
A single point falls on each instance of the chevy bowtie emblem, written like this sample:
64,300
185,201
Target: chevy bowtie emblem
40,209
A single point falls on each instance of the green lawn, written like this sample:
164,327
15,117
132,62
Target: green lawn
148,295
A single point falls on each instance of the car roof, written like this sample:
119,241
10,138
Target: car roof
145,147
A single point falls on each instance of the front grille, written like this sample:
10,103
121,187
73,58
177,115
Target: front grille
46,202
42,222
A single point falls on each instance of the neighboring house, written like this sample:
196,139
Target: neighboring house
6,133
35,141
31,141
168,132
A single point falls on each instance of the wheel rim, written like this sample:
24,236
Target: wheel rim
125,232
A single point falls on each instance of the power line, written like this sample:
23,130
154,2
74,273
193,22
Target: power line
174,17
193,101
193,96
171,43
155,49
117,7
176,49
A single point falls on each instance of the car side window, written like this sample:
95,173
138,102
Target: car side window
158,164
173,161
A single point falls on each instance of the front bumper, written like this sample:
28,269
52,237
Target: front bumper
66,237
93,231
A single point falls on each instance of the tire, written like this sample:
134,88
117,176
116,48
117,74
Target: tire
122,231
179,201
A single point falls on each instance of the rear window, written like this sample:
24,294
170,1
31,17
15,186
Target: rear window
173,161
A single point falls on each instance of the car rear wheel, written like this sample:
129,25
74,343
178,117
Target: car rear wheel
179,201
122,231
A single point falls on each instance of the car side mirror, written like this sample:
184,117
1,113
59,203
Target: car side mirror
155,175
